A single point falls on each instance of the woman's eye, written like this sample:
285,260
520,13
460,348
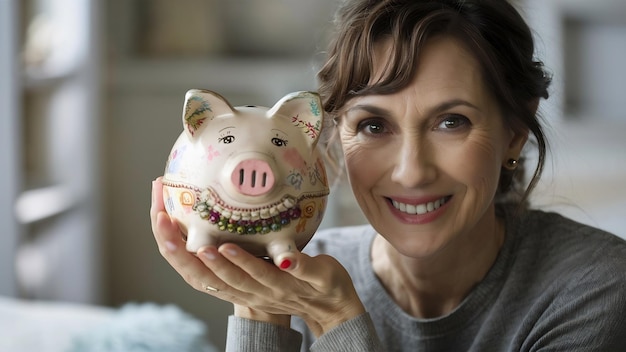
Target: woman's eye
226,139
371,127
279,142
452,122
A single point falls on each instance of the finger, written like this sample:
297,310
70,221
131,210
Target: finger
265,277
165,230
234,283
157,193
240,269
172,247
192,270
156,205
320,271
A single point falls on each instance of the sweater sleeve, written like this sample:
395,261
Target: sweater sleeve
357,334
244,335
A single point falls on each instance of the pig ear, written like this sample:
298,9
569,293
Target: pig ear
304,110
201,106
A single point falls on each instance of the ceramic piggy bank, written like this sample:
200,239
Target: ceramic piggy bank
248,175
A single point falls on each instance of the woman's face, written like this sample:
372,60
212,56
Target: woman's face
424,162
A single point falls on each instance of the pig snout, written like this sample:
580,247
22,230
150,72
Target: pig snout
253,177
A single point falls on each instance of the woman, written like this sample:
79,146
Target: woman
432,104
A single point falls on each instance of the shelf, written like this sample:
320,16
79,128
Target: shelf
34,78
42,203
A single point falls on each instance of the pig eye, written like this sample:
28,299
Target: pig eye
279,142
226,139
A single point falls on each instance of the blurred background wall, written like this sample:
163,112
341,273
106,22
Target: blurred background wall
91,97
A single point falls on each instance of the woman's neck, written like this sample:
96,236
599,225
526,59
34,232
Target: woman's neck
434,286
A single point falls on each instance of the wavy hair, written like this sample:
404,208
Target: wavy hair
492,30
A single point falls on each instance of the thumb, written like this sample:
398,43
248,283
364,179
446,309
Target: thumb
321,270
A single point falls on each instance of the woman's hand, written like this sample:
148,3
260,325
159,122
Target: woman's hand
318,289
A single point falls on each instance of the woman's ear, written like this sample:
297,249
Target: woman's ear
520,135
516,144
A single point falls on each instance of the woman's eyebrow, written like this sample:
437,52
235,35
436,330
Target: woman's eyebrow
444,106
374,110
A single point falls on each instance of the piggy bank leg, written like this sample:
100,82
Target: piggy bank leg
282,251
196,239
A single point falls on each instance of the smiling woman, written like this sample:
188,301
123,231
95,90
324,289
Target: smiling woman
433,103
440,140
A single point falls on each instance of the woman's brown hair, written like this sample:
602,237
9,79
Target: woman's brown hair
492,30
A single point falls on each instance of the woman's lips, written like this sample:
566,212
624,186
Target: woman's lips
418,212
421,208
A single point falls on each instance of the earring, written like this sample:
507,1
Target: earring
511,164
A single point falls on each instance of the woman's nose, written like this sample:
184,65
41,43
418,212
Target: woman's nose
414,163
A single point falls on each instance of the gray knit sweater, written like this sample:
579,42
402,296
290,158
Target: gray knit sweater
556,285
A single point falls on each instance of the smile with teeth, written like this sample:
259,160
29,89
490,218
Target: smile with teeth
419,209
